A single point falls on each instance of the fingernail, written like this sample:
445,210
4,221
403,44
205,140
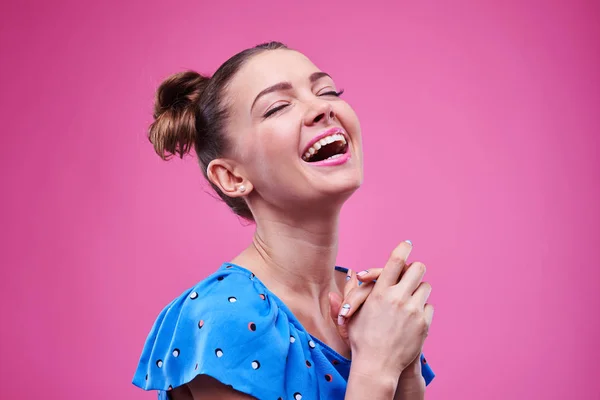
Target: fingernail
341,320
349,275
345,310
409,242
361,273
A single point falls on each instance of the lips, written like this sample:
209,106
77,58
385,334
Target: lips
326,146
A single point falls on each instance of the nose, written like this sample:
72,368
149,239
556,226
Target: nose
319,111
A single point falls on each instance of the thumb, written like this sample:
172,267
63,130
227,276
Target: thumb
335,302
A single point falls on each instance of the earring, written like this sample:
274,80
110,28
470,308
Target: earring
242,188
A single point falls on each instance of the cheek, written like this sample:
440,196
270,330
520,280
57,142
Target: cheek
349,120
275,148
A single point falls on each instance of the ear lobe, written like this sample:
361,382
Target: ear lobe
222,173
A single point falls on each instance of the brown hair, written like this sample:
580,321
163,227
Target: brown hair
190,111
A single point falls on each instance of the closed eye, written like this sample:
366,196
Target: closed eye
332,93
274,110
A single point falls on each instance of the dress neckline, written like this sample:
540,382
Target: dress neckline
234,267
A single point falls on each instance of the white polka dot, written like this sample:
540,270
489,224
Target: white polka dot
219,353
193,295
292,339
255,364
159,363
232,299
311,344
297,396
176,353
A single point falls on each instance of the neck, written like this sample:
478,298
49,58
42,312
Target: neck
295,257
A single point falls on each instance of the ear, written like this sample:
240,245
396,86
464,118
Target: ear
228,177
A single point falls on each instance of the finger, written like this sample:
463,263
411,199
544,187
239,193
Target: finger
355,299
410,280
428,313
406,267
374,273
351,282
393,268
369,274
335,302
422,293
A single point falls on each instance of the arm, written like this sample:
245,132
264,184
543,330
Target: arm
411,385
360,386
410,389
402,292
370,384
204,387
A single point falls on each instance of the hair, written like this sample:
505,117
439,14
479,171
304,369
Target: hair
190,110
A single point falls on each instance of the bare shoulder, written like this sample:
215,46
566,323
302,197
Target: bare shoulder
204,387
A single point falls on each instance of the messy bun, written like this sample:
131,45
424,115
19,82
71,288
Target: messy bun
190,111
174,131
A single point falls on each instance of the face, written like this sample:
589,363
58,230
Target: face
295,140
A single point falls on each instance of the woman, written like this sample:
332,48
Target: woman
282,149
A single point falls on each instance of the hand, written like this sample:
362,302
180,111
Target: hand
390,330
354,296
411,378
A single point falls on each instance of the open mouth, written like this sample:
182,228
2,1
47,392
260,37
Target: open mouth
327,148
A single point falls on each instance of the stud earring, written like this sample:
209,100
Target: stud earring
242,188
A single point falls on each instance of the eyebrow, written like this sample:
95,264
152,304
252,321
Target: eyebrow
287,86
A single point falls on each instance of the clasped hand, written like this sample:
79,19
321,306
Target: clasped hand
386,319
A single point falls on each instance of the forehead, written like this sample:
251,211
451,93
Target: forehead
268,68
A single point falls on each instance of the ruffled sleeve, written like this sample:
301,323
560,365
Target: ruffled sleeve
426,371
226,327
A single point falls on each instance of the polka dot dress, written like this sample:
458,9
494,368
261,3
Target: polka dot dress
231,327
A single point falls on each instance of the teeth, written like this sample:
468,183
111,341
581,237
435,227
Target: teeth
325,141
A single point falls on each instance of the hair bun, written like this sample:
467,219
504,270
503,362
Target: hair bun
173,131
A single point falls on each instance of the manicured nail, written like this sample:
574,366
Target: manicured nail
345,310
341,320
409,242
349,275
361,273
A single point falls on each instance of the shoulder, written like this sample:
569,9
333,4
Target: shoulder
225,324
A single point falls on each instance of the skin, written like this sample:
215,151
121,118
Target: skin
296,207
411,384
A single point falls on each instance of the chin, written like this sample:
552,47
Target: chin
342,187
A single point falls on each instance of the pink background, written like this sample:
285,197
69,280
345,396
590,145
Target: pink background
481,126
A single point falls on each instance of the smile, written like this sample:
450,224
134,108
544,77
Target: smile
329,146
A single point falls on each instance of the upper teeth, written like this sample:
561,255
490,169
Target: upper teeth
337,137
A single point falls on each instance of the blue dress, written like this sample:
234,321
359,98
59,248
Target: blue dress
231,327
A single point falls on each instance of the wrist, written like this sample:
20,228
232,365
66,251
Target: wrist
413,370
369,372
412,382
371,383
410,388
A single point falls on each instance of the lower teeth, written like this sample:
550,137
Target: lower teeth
334,156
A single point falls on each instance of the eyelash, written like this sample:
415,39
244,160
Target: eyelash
276,109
